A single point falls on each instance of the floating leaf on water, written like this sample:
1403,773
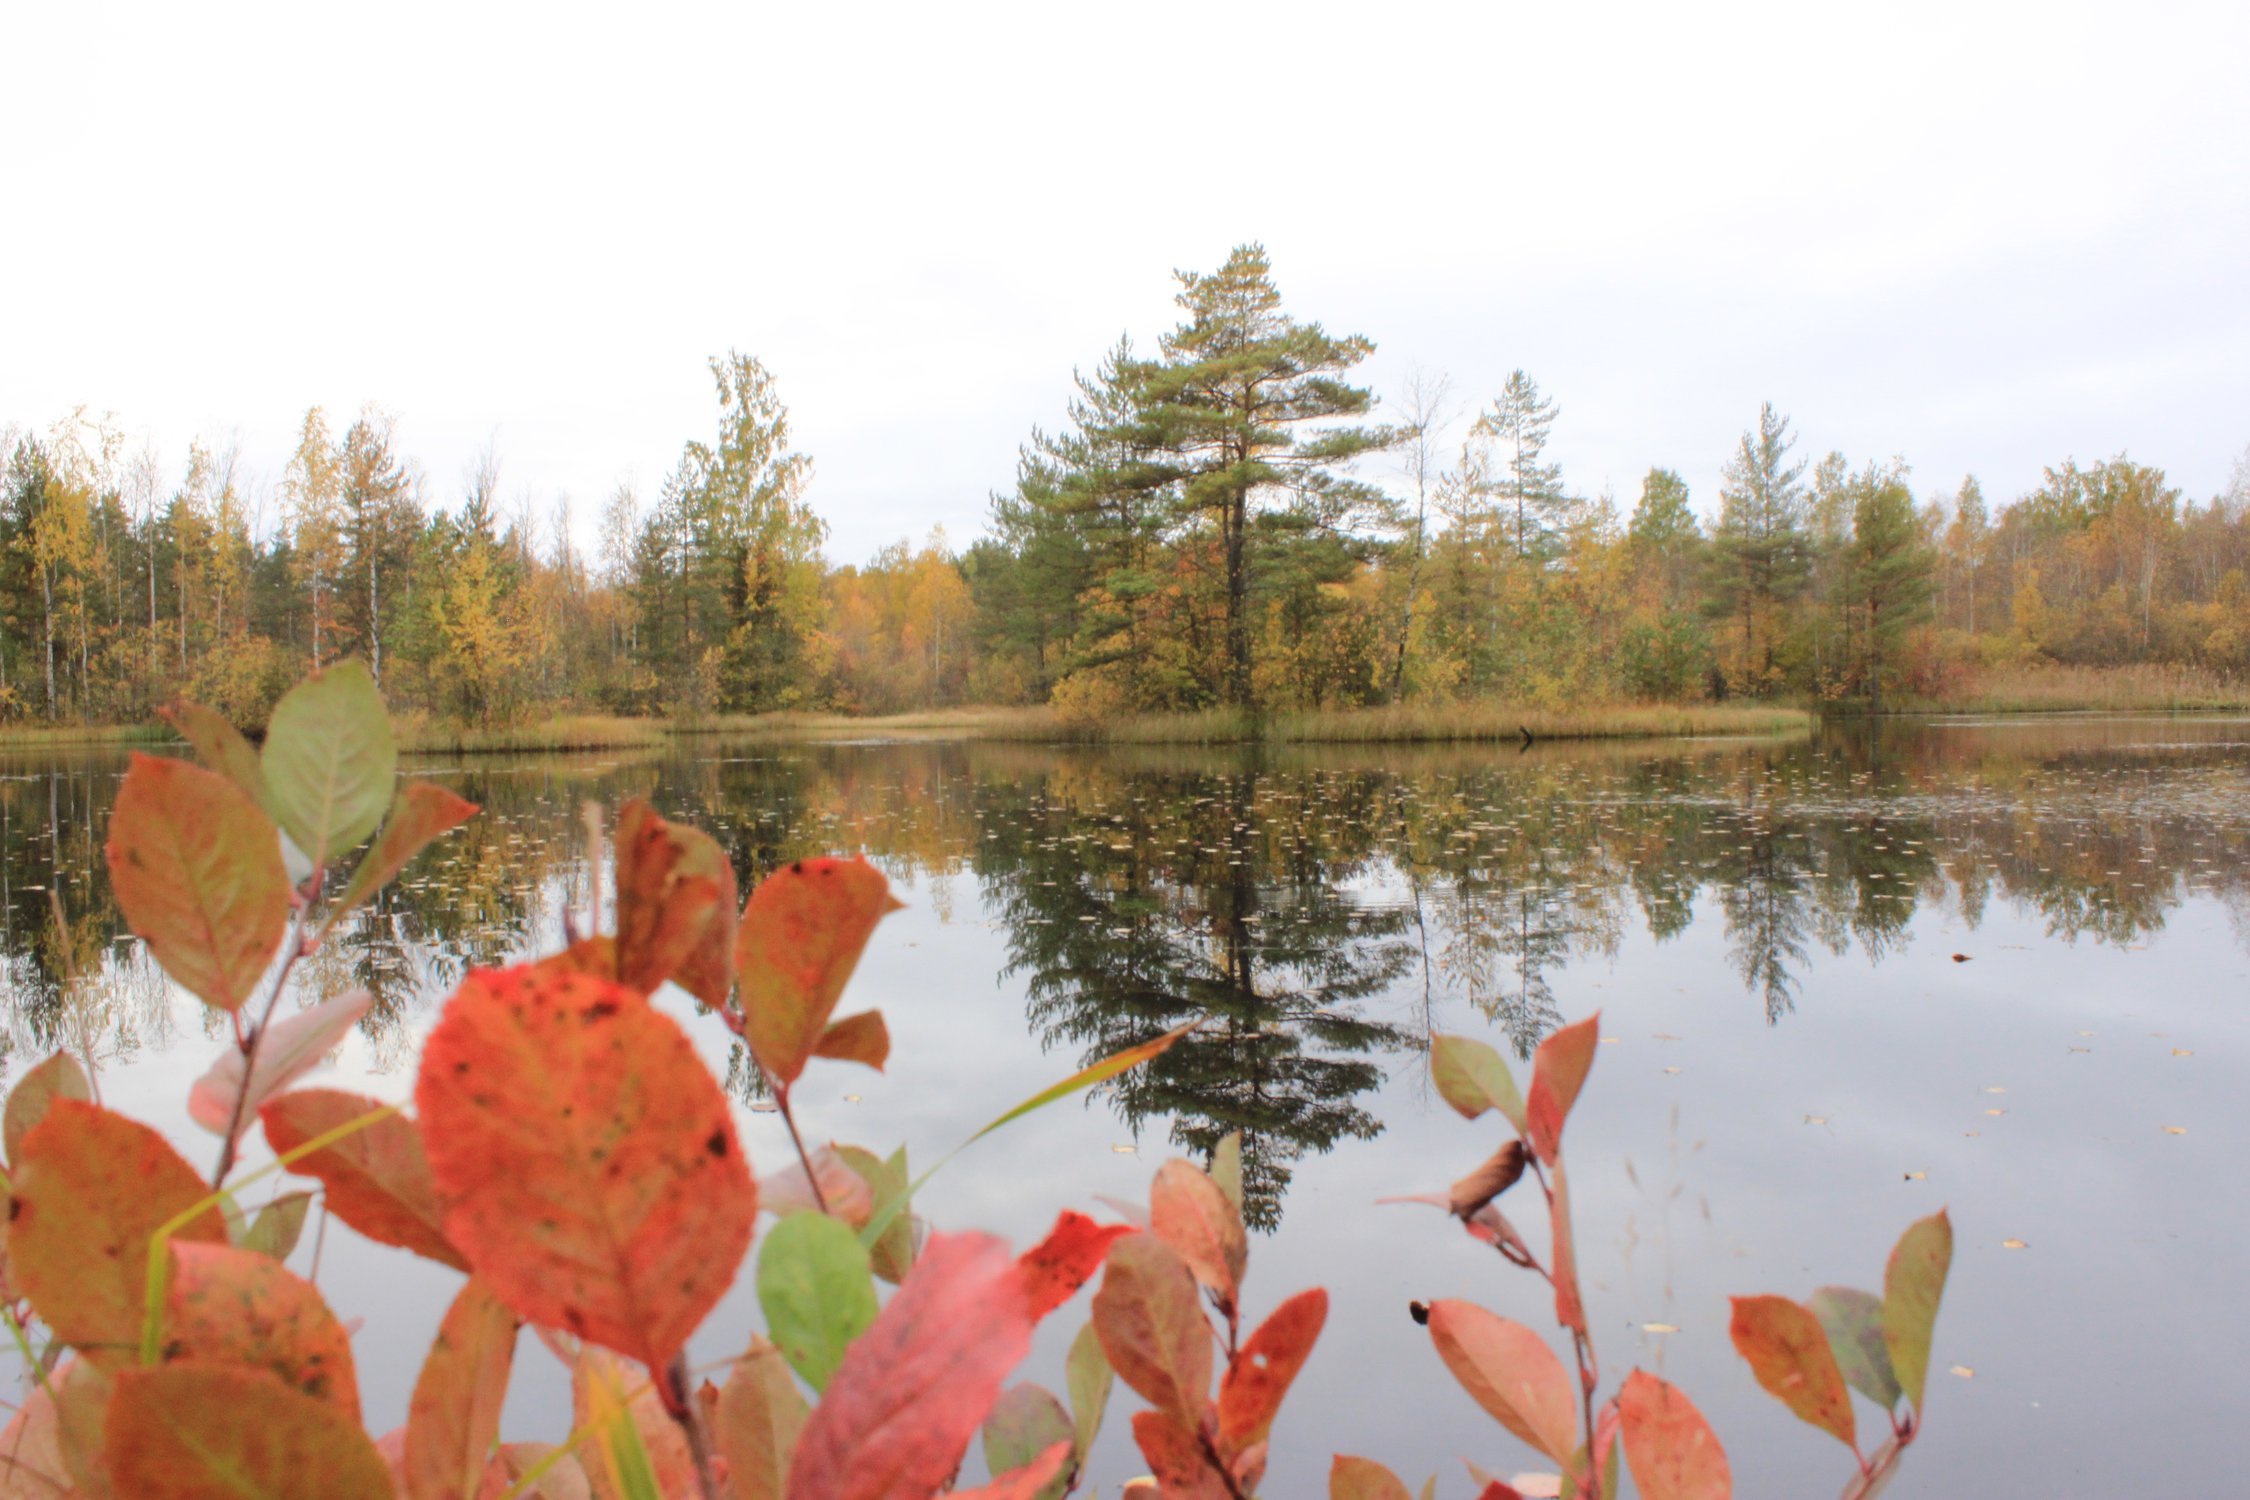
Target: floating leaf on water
1917,1176
2183,1052
1996,1089
1659,1328
2014,1245
1963,1371
2175,1130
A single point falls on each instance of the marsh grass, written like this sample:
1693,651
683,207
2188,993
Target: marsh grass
2056,689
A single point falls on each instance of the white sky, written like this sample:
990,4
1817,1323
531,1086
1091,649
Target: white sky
1983,238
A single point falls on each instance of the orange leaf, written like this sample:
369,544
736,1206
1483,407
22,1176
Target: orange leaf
196,868
211,1432
1187,1211
1559,1070
1055,1268
221,745
1673,1452
757,1419
237,1307
455,1415
800,938
1788,1352
861,1038
1512,1374
1176,1459
586,1158
378,1179
31,1450
1352,1478
91,1188
913,1389
1152,1328
675,907
420,813
1251,1392
1025,1482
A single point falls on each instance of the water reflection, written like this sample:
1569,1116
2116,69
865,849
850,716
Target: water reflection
1318,905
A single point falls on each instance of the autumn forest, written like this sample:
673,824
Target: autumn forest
1227,520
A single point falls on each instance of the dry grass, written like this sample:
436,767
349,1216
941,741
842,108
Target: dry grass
70,736
2053,689
566,732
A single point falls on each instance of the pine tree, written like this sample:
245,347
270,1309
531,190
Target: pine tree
1241,412
1892,568
1518,424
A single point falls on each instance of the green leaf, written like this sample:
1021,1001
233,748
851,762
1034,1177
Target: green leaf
1025,1422
197,871
1089,1378
1853,1321
1085,1078
59,1077
279,1224
892,1254
817,1288
330,763
1473,1078
1912,1285
420,812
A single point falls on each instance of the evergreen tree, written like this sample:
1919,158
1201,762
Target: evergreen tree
1243,410
1760,556
1517,424
1891,576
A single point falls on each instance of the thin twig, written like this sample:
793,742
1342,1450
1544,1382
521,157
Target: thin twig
788,1118
674,1388
296,950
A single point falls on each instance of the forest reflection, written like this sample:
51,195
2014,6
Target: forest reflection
1318,905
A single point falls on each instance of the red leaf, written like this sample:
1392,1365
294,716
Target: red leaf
1788,1352
608,1395
1673,1452
209,1432
1056,1267
237,1307
420,813
913,1389
1260,1375
91,1188
1152,1328
1177,1460
378,1179
290,1048
196,868
455,1416
1570,1311
1512,1374
585,1157
861,1038
800,938
1352,1478
1023,1483
1189,1212
675,907
1559,1070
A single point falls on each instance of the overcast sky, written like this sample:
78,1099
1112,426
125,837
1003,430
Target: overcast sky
1982,238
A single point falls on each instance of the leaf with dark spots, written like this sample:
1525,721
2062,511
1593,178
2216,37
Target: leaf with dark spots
237,1307
575,1173
217,1432
91,1189
800,937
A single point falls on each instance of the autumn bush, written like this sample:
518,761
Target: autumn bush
574,1158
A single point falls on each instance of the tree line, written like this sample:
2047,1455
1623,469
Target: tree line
1222,523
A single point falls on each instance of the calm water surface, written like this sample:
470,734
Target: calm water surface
2000,966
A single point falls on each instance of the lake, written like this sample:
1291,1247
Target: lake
1998,965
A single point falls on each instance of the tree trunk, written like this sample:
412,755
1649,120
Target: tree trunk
1238,602
47,603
